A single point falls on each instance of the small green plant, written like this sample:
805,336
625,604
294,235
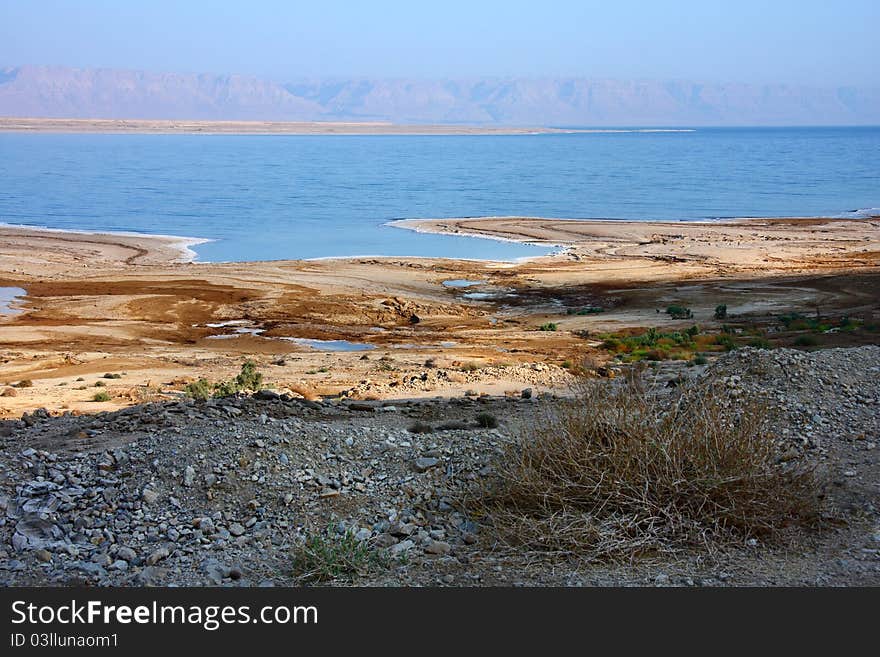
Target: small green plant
679,312
700,359
330,556
100,384
200,389
101,397
721,311
112,375
724,340
588,310
549,326
24,383
248,380
760,343
487,420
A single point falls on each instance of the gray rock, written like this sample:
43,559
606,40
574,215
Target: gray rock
156,556
438,547
401,548
126,553
424,463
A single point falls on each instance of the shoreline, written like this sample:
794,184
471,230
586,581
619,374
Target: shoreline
148,245
37,125
154,247
28,125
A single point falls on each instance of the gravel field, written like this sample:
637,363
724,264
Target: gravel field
226,492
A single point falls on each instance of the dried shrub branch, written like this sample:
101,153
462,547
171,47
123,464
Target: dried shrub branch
625,470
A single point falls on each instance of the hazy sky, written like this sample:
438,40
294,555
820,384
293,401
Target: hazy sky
805,41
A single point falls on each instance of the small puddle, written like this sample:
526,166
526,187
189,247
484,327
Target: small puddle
237,334
8,296
462,282
239,327
331,345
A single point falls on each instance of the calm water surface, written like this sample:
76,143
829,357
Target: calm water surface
274,197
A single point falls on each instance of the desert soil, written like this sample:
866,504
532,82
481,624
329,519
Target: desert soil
225,492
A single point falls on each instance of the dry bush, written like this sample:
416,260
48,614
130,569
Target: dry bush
623,470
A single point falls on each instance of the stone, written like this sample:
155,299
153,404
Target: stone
438,547
189,476
424,463
126,553
156,556
43,555
526,393
149,496
236,529
401,548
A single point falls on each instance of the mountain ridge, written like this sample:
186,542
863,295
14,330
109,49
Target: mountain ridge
65,92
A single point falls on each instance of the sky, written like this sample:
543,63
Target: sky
811,42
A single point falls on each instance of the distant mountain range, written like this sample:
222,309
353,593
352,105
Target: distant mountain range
60,92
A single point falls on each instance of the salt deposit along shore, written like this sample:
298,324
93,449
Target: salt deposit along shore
128,303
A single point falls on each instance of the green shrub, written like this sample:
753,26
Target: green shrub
549,326
101,397
588,310
329,556
679,312
487,420
721,311
248,380
724,340
200,389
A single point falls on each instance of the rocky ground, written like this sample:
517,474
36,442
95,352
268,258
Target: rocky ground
225,492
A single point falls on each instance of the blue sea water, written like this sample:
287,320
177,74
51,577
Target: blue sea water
280,197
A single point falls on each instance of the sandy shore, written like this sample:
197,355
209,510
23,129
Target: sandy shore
98,304
713,248
153,126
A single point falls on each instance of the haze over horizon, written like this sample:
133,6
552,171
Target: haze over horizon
568,63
